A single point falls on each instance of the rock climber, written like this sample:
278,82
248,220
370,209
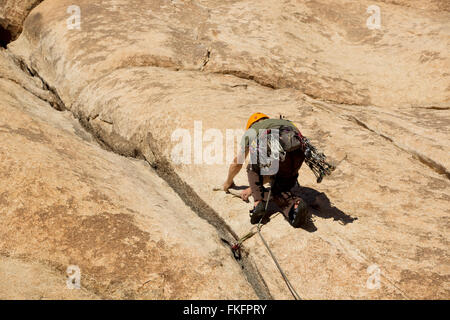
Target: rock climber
282,180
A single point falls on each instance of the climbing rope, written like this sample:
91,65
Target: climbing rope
236,248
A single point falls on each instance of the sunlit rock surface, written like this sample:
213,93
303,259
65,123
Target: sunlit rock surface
376,101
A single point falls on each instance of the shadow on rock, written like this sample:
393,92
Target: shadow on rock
319,205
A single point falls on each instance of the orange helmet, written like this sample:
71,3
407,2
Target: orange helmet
255,117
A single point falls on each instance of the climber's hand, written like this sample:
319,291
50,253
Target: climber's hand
246,193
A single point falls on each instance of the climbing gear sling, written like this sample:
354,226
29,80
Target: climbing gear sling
273,144
316,160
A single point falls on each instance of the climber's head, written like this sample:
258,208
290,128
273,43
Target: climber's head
255,118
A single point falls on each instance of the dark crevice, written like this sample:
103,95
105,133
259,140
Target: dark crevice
5,37
363,125
433,108
206,59
23,66
246,76
57,104
10,29
106,121
51,102
432,164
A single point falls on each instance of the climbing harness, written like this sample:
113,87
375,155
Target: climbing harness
237,246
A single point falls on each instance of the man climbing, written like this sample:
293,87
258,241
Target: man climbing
281,170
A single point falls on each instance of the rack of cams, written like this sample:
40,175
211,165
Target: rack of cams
316,161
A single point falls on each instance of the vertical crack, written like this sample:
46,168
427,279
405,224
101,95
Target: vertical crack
164,170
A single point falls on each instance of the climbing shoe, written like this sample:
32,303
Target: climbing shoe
298,216
258,212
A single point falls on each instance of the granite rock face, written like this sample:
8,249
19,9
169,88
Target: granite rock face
143,76
12,15
66,201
